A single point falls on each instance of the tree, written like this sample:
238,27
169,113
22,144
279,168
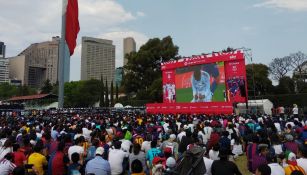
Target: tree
111,94
144,67
47,88
285,86
82,93
55,88
107,102
7,91
116,92
258,81
101,99
297,60
279,67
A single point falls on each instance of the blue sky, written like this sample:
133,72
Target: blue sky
271,28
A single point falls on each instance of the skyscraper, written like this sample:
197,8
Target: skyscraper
4,63
129,46
37,63
97,59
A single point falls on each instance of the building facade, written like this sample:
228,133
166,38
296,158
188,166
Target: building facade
129,46
36,64
4,65
97,59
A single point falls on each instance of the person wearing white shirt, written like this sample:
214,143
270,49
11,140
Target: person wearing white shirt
207,131
302,161
165,126
116,158
77,148
214,152
180,135
208,164
276,169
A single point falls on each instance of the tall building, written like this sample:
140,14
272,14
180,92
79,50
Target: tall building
97,59
129,46
4,63
37,63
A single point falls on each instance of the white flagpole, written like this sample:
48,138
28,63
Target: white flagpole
61,63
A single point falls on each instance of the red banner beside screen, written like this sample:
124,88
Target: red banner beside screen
169,90
190,108
236,81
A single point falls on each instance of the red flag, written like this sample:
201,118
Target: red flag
72,24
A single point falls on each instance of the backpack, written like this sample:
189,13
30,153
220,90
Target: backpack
192,162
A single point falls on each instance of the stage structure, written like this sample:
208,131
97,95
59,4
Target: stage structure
208,83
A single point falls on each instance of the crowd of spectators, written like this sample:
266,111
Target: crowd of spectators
117,143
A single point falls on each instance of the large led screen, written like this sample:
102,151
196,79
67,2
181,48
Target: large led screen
201,83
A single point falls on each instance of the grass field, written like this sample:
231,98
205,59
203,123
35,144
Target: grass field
241,162
185,95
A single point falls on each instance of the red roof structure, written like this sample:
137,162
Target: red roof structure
31,97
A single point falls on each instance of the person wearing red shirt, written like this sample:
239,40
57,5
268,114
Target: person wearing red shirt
19,157
59,160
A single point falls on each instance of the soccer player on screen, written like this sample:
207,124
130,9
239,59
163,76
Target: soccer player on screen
200,81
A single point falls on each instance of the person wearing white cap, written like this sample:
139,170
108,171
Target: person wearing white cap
170,143
170,166
98,165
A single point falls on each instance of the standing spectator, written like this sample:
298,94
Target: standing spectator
295,111
98,166
6,164
224,166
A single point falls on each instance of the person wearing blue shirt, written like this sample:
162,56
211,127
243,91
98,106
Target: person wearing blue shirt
200,81
152,153
98,165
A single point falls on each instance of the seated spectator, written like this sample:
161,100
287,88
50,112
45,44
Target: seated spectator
38,159
263,170
75,168
6,164
98,166
137,168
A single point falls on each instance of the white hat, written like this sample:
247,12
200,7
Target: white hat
100,151
170,162
172,136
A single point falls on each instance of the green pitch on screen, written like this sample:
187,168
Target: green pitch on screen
186,95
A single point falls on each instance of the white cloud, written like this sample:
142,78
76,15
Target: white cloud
140,14
28,21
294,5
